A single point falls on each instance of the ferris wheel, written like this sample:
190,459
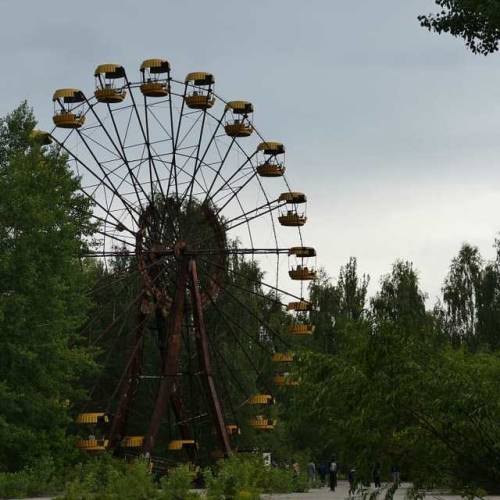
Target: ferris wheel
183,185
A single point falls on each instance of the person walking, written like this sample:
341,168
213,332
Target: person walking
333,474
323,471
376,475
311,472
351,477
396,474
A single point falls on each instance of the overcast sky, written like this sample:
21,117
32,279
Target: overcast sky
390,130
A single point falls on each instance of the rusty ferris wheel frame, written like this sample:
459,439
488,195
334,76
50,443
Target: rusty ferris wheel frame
168,179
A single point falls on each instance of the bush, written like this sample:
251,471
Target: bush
247,477
237,478
106,478
177,483
278,480
134,482
40,479
300,483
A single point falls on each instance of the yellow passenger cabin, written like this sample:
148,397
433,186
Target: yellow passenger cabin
181,444
132,442
92,418
301,329
299,306
68,108
200,96
155,76
261,399
282,357
262,423
239,124
285,379
291,217
268,163
110,82
92,445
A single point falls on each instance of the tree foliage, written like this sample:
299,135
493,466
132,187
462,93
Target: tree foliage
43,294
476,21
337,305
471,297
399,389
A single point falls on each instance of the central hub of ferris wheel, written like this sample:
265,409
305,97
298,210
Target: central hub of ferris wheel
189,196
171,230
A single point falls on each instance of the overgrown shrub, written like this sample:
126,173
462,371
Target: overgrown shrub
177,483
106,478
247,477
277,480
237,478
40,479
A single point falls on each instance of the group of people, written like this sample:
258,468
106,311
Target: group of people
329,471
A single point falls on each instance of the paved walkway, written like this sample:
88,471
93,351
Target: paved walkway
342,493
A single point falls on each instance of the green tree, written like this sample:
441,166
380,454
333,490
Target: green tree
44,224
488,305
460,293
337,305
400,298
397,391
476,21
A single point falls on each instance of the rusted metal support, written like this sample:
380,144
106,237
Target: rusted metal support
129,384
205,361
182,422
170,356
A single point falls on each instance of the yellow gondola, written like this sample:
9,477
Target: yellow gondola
261,399
180,444
282,357
270,167
66,116
300,306
262,423
92,418
284,379
200,98
301,329
132,442
240,126
153,85
292,217
92,444
106,90
302,273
